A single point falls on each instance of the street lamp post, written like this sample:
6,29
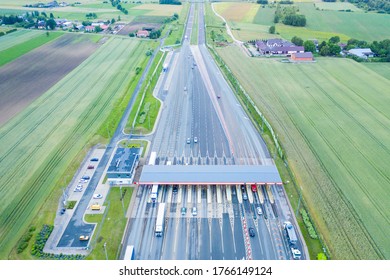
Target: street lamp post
105,249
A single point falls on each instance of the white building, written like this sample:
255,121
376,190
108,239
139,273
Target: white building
362,53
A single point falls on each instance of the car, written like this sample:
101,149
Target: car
252,232
244,196
218,96
90,167
254,188
62,211
183,211
194,211
94,159
97,196
84,237
85,177
174,189
185,88
195,139
243,187
78,189
188,141
259,211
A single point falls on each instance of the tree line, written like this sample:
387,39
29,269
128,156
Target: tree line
381,6
169,2
29,19
289,16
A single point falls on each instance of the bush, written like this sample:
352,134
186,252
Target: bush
308,224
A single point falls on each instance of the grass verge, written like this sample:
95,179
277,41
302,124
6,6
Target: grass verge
110,225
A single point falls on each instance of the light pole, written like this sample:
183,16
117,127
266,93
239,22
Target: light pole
105,249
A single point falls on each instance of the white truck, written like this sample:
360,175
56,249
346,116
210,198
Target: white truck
154,193
160,220
291,234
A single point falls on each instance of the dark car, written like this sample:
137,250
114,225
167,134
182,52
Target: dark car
175,189
86,177
94,159
62,212
252,232
91,167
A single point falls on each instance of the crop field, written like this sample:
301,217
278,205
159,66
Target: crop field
264,16
238,12
158,10
333,121
40,142
16,51
20,85
382,69
17,37
359,25
336,6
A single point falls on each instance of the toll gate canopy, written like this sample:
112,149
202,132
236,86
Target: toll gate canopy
209,174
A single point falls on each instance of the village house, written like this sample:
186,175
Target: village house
362,53
142,33
277,47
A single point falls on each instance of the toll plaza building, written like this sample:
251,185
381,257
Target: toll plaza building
209,175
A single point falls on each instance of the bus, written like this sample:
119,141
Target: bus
154,193
160,220
152,159
129,254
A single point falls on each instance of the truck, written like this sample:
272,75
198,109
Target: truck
290,232
129,253
152,159
165,67
154,193
159,229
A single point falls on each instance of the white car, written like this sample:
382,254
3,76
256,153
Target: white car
78,189
195,139
97,196
259,211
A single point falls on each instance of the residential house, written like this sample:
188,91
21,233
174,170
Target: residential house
89,28
362,53
277,47
142,34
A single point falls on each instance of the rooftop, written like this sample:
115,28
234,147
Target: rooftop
124,160
209,174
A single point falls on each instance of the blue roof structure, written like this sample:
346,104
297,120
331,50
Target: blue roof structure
209,174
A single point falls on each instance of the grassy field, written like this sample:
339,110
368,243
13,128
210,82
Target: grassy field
41,143
216,25
177,27
252,21
146,104
20,49
159,10
382,69
334,126
16,38
359,25
110,230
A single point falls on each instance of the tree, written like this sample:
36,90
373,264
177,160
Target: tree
272,29
51,23
324,51
334,49
309,46
297,41
119,18
51,15
98,29
112,21
334,40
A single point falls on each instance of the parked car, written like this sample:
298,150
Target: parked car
84,237
97,196
62,211
91,167
94,159
78,189
85,177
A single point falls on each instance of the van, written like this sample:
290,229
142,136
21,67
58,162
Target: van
194,211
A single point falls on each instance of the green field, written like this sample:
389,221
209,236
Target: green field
359,25
382,69
20,49
333,121
17,37
336,6
39,144
321,24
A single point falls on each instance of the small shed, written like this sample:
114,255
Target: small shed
305,56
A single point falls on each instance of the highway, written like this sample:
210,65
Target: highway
198,102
